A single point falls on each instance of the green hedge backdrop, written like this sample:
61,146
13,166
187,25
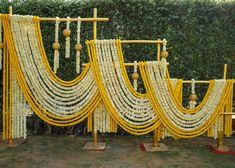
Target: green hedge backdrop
200,34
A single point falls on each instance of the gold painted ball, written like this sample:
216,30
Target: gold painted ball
56,46
1,45
66,32
193,97
78,47
135,76
164,54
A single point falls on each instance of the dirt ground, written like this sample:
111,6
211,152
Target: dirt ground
121,152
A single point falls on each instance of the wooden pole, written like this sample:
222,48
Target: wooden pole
10,141
158,51
198,81
95,133
142,41
225,71
95,24
220,139
10,10
75,19
126,64
228,113
155,138
95,137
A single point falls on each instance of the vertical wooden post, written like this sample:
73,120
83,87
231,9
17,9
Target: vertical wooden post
95,133
225,71
220,139
158,51
95,24
10,141
10,10
155,138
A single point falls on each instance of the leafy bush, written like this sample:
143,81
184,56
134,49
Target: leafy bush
200,34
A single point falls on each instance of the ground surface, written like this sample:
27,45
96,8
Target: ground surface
121,152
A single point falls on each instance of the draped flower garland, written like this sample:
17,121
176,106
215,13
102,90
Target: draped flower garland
107,60
131,110
171,113
30,81
58,102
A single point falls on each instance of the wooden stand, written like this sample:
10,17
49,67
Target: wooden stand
12,143
95,145
220,143
155,146
220,148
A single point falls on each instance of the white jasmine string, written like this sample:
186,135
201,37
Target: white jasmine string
56,46
78,42
163,60
67,45
135,84
192,103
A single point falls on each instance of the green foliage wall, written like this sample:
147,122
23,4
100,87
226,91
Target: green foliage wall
200,34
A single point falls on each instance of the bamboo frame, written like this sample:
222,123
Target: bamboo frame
158,43
158,50
75,19
142,41
94,132
228,113
126,64
10,140
95,24
198,81
207,82
10,10
225,71
95,19
155,138
49,19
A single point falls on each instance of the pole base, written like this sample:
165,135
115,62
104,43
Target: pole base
13,143
16,142
148,147
96,146
221,150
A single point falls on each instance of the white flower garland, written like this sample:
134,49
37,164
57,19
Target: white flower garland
18,111
192,103
163,60
67,42
57,99
132,109
78,42
186,122
56,52
102,119
135,84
